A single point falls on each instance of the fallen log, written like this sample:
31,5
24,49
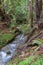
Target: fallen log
29,41
30,34
36,36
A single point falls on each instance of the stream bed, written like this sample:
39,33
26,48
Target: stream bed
7,52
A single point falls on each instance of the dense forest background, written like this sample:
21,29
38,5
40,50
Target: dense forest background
19,10
23,17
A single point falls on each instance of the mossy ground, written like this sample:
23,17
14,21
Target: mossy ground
4,38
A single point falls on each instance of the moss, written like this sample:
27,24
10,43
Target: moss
4,38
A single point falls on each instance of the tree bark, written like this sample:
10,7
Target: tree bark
38,11
31,12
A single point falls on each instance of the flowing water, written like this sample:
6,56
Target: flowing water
9,51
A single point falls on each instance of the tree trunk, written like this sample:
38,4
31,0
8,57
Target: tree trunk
38,11
31,12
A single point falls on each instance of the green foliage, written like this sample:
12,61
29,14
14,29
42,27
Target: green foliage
14,8
27,61
39,61
18,5
37,41
24,28
4,38
21,18
32,60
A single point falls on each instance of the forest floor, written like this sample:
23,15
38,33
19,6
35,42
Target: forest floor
27,54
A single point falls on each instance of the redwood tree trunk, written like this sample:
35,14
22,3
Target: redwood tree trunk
38,11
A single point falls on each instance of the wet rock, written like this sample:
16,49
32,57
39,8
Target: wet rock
4,57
